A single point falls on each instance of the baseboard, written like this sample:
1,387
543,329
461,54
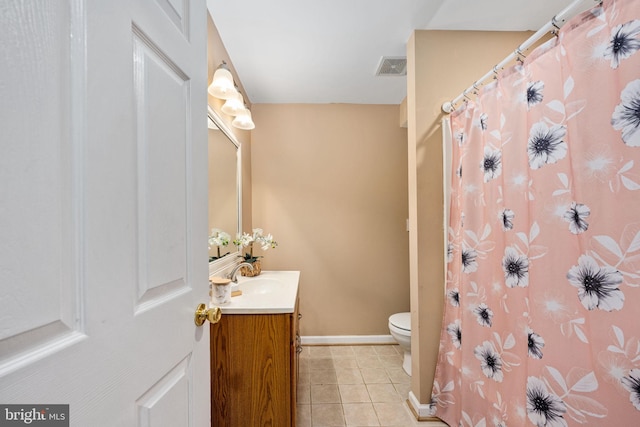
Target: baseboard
347,340
422,412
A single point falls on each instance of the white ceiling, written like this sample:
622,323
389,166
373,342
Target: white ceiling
327,51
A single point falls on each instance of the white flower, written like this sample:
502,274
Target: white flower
484,314
546,145
483,121
534,93
219,238
454,297
632,383
267,242
506,216
535,343
575,216
544,409
490,361
455,332
469,263
247,240
598,287
491,164
516,268
243,240
624,42
626,116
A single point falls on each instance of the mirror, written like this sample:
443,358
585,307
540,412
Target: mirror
224,183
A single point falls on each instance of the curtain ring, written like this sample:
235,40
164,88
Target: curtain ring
557,28
475,86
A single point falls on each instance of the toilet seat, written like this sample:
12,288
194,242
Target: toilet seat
401,321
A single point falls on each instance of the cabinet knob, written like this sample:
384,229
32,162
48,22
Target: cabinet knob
203,313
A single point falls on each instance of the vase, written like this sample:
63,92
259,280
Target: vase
257,268
220,290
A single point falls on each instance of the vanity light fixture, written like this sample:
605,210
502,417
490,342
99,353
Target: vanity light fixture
222,86
243,120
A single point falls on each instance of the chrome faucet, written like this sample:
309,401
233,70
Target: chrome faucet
234,272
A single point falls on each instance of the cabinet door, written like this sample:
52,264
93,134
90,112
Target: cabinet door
251,370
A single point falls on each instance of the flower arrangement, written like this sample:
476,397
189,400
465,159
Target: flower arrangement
247,240
219,239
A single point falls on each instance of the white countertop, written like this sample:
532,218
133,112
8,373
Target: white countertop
268,293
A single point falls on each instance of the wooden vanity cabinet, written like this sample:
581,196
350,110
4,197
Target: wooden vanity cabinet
254,370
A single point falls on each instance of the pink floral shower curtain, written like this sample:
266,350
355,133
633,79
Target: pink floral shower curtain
542,310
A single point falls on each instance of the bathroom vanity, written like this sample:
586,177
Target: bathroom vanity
254,354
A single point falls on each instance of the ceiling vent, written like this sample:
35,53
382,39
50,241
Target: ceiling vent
392,66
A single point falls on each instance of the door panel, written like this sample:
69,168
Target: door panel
167,402
39,176
163,144
178,13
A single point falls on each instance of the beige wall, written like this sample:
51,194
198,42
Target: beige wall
441,64
330,183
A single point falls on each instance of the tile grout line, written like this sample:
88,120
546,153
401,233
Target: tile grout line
386,361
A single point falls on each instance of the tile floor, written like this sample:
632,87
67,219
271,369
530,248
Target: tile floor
353,386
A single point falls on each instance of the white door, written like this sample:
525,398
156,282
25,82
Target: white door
103,207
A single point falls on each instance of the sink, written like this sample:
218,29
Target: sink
270,292
260,286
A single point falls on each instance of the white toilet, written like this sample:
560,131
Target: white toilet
400,328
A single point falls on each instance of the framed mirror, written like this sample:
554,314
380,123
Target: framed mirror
225,187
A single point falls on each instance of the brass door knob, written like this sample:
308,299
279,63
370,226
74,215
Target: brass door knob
203,313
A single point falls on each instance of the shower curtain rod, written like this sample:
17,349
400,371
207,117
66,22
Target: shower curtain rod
553,25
